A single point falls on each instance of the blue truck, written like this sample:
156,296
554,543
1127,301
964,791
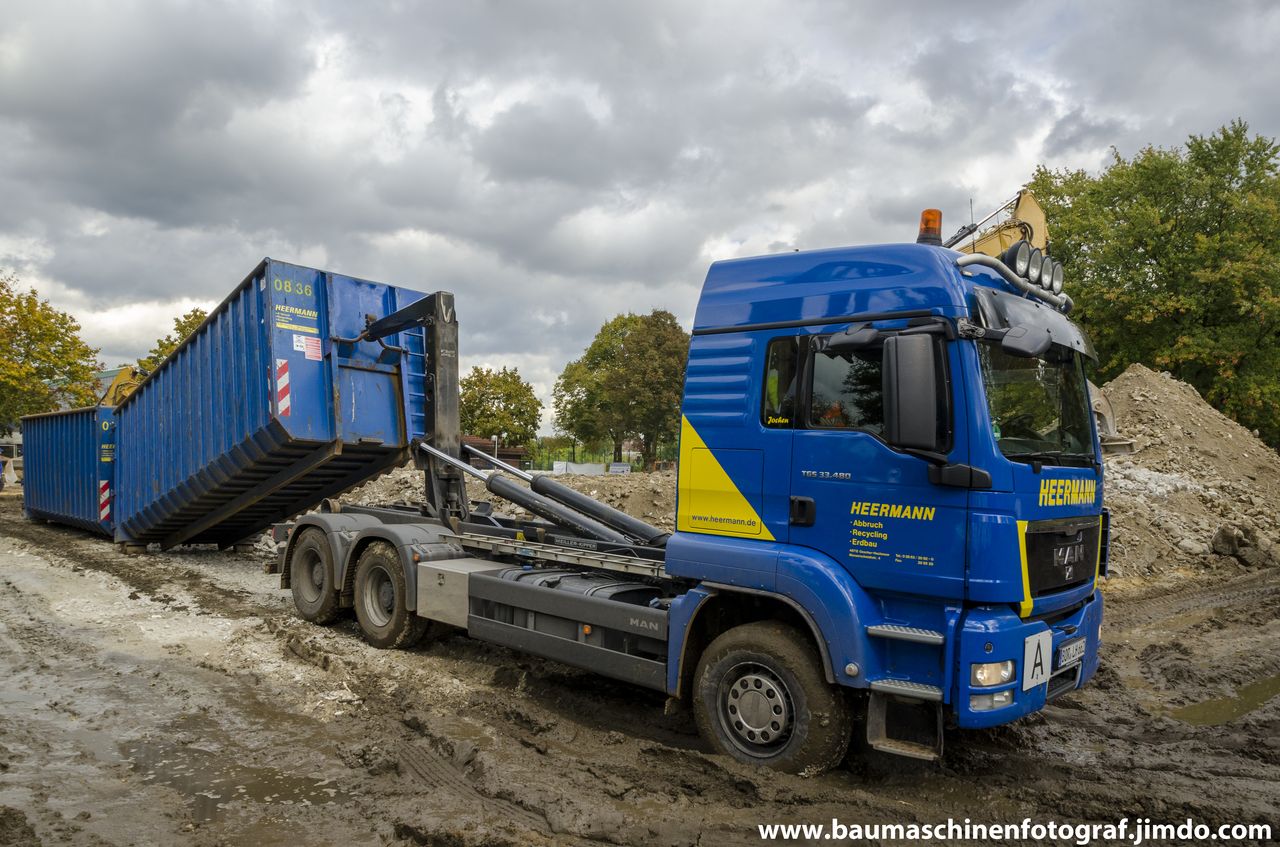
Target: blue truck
889,512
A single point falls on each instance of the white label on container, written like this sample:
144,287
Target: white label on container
311,347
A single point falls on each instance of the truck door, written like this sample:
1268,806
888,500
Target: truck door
781,391
868,506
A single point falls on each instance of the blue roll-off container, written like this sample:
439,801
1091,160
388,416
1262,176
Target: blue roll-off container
264,411
69,467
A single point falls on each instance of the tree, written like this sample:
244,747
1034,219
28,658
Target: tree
628,384
182,327
44,365
499,403
1173,259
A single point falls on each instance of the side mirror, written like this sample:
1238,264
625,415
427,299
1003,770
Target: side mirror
911,392
1026,341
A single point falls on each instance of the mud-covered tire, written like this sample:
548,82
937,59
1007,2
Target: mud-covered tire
311,578
380,600
760,696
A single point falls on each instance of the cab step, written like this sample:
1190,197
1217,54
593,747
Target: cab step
910,749
906,633
926,726
905,688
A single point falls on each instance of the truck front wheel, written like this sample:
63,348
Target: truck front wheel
380,600
311,578
760,696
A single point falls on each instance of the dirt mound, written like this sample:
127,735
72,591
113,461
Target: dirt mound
402,485
1198,492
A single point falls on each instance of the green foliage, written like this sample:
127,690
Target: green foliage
627,384
182,327
499,403
1173,259
44,365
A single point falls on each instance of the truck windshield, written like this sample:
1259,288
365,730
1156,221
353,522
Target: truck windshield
1039,407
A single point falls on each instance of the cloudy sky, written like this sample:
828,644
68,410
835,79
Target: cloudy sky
555,163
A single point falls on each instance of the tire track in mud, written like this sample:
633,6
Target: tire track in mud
1246,590
442,776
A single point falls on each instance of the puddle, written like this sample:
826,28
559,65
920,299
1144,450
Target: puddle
1226,709
212,783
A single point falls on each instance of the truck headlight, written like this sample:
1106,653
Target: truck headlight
987,702
990,673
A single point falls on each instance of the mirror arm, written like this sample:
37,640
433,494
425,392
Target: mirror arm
944,472
929,456
966,328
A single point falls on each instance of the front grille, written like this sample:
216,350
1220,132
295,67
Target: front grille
1061,553
1052,619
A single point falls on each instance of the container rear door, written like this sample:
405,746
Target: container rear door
369,392
300,384
104,425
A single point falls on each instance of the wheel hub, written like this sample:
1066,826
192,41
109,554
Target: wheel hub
308,575
757,710
379,597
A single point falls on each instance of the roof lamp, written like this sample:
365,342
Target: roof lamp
930,227
1017,258
1055,285
1034,266
1046,272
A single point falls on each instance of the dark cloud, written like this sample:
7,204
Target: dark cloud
556,163
1077,130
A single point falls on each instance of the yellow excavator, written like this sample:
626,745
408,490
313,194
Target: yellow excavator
124,382
1022,219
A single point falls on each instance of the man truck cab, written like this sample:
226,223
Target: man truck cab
889,502
902,445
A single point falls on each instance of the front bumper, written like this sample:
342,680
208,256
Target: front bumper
996,633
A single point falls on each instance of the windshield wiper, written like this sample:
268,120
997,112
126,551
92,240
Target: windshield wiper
1056,456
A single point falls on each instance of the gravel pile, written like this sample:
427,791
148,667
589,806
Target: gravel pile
1198,493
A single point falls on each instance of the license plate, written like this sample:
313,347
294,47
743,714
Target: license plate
1070,653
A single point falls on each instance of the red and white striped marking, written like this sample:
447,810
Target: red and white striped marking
104,500
282,388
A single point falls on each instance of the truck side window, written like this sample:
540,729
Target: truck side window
847,392
780,370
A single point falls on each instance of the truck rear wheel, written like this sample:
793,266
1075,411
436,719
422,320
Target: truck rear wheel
381,600
761,697
311,578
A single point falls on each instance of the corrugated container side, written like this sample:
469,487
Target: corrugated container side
264,411
69,460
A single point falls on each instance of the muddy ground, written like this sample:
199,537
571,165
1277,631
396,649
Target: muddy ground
173,698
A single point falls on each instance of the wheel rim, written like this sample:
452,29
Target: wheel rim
310,575
756,709
379,597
